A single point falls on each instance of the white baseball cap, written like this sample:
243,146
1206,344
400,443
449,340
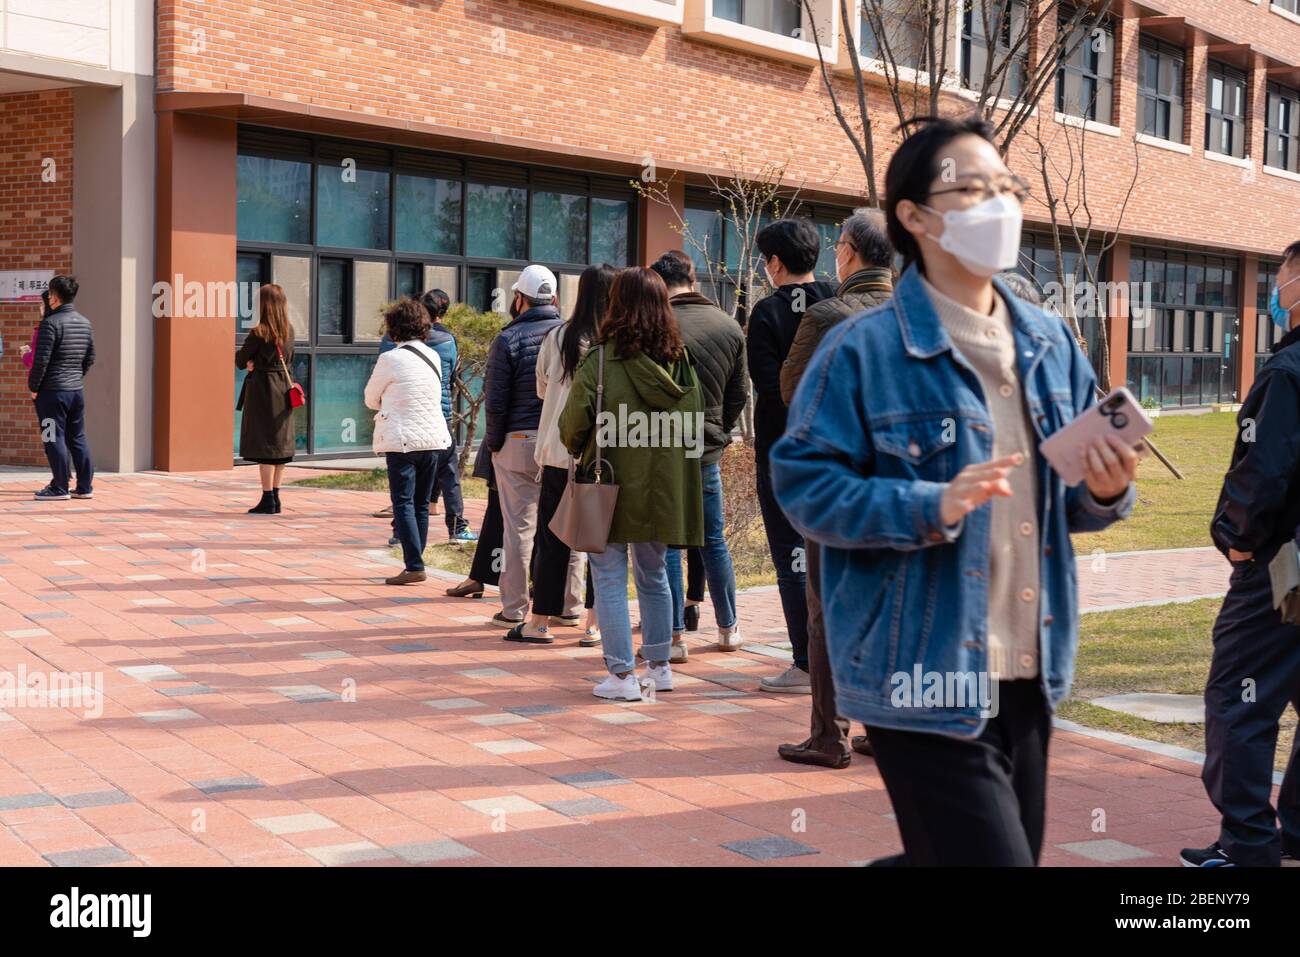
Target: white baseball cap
536,282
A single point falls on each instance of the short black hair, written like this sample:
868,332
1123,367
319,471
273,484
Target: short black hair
65,287
914,167
437,302
408,321
1291,251
794,241
675,268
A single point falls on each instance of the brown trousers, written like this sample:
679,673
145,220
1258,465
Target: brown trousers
829,732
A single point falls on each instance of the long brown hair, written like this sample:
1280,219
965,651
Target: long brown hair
639,319
273,315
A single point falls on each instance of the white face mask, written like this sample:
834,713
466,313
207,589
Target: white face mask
984,238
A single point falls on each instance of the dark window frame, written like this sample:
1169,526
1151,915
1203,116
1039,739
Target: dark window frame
1175,102
1215,118
1088,64
1013,82
1276,136
795,5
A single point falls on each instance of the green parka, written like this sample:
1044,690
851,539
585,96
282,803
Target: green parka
651,434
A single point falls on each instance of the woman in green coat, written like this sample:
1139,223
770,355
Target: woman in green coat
650,435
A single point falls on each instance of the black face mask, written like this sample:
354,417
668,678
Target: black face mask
516,309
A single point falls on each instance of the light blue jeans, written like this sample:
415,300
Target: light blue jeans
609,577
718,570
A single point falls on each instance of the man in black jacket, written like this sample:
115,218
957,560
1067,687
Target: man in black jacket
716,346
1255,668
790,248
513,414
65,351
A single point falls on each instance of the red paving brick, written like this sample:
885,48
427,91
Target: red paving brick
168,570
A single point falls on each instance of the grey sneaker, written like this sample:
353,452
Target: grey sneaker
793,680
730,640
677,653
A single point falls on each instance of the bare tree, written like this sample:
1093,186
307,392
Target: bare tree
911,41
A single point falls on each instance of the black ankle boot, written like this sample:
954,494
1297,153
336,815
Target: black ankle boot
266,506
275,494
691,613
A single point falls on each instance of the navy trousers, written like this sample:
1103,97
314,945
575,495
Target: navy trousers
62,419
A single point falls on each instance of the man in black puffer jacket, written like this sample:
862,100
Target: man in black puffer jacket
513,414
65,351
716,346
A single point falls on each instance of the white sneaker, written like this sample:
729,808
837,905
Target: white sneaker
793,680
730,640
678,652
661,675
590,639
619,689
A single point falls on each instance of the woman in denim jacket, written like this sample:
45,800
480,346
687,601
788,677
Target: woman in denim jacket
911,455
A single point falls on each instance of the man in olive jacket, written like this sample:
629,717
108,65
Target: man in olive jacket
716,346
863,255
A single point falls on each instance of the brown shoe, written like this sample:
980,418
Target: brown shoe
803,754
405,578
385,512
862,744
469,588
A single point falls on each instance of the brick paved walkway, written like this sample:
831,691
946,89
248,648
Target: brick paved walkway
266,702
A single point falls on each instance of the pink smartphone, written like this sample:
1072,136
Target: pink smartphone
1118,413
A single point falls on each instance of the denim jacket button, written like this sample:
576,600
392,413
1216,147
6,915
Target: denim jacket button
1027,595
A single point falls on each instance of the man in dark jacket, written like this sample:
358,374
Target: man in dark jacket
716,346
1255,667
863,258
790,248
513,413
65,351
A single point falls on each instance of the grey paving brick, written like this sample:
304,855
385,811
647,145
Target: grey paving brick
770,848
195,620
46,615
15,802
90,857
532,709
183,691
378,619
173,714
428,851
96,799
590,779
358,852
584,807
407,647
222,785
1106,850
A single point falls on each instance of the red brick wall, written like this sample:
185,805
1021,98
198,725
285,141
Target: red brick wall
582,82
35,233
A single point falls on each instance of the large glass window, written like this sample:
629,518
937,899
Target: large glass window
496,222
1225,110
1160,90
428,214
1038,264
1290,6
345,238
1282,128
775,16
273,200
1004,62
1182,324
559,228
351,206
905,35
1085,79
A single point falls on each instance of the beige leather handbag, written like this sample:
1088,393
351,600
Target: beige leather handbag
583,518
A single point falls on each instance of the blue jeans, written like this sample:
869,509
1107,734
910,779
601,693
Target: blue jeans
410,483
609,574
717,559
62,417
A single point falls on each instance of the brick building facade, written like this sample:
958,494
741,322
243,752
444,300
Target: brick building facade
465,122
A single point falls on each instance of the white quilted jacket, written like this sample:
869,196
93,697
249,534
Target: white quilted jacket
408,397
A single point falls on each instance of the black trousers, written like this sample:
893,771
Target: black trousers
446,479
785,544
1254,674
486,567
550,555
979,802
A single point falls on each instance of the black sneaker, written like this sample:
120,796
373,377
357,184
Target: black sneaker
89,493
1212,856
501,621
50,494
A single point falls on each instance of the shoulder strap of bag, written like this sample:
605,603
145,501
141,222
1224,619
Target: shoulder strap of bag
282,363
423,358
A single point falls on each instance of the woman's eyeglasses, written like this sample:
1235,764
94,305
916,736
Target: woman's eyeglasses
981,190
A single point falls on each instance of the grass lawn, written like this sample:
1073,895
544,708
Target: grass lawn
1171,513
376,480
1160,649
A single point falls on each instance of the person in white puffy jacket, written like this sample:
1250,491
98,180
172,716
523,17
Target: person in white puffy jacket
405,389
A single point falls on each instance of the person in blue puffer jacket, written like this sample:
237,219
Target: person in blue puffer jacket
446,478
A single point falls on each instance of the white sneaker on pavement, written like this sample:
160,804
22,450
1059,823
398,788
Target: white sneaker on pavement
729,639
661,675
794,680
627,688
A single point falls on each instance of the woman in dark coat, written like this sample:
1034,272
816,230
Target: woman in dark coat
266,434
